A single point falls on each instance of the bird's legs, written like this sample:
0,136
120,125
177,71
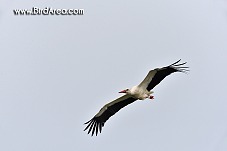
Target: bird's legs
151,97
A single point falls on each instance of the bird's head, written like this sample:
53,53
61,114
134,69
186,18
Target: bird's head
124,91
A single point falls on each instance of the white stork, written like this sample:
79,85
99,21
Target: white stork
140,92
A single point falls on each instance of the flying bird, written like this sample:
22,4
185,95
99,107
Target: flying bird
140,92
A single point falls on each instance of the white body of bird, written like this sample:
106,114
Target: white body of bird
139,92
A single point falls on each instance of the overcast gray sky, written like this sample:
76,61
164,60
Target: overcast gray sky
56,72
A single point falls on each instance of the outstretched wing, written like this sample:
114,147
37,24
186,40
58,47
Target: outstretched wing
155,76
108,110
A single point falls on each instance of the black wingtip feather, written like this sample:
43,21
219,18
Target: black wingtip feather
94,126
91,127
87,122
180,64
178,67
88,125
176,62
97,128
100,127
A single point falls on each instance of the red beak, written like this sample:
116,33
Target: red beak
123,91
